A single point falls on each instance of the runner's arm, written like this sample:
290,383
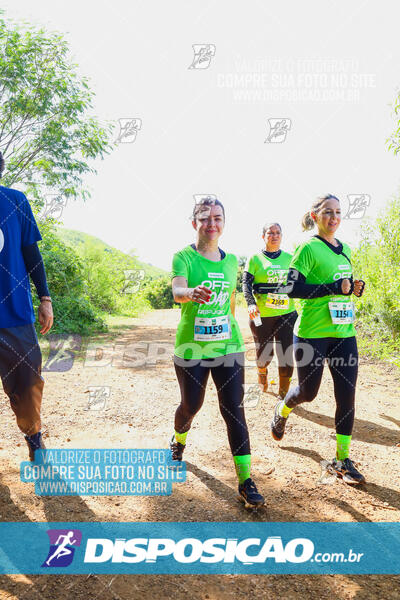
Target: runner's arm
297,288
34,265
247,284
233,302
180,290
182,293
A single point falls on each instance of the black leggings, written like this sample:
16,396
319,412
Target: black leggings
280,328
342,358
228,377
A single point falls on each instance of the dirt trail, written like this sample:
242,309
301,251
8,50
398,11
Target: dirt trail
139,414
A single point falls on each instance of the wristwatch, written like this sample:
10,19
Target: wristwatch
45,299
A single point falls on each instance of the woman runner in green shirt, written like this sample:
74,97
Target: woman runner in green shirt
208,340
321,276
276,311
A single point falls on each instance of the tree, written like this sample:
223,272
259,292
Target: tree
74,311
376,260
46,130
158,292
394,140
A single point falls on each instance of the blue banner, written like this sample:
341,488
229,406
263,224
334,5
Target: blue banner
200,548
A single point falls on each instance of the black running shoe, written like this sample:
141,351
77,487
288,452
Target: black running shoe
278,423
248,494
348,471
176,449
34,442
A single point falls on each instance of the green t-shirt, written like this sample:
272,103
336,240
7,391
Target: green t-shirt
320,264
271,270
207,330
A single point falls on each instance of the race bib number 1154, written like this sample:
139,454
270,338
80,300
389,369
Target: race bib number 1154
342,313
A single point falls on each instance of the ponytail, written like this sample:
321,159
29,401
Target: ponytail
307,221
2,164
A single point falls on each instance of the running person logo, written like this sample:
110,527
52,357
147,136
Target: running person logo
98,396
53,207
128,129
328,476
201,197
133,280
62,351
203,54
278,129
358,204
62,547
252,395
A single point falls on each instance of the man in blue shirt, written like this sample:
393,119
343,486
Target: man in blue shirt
20,355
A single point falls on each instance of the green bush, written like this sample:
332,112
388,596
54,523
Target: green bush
76,315
108,288
72,306
376,260
88,282
158,292
101,276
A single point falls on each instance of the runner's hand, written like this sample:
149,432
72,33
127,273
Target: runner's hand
45,316
253,311
200,294
359,286
346,286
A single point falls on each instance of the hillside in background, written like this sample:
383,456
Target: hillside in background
78,240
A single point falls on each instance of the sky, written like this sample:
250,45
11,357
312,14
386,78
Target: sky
265,105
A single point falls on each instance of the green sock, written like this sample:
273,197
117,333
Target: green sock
342,446
181,437
284,410
242,466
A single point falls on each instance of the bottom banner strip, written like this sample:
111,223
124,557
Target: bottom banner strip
200,548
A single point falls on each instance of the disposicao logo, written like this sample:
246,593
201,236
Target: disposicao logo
62,547
190,550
